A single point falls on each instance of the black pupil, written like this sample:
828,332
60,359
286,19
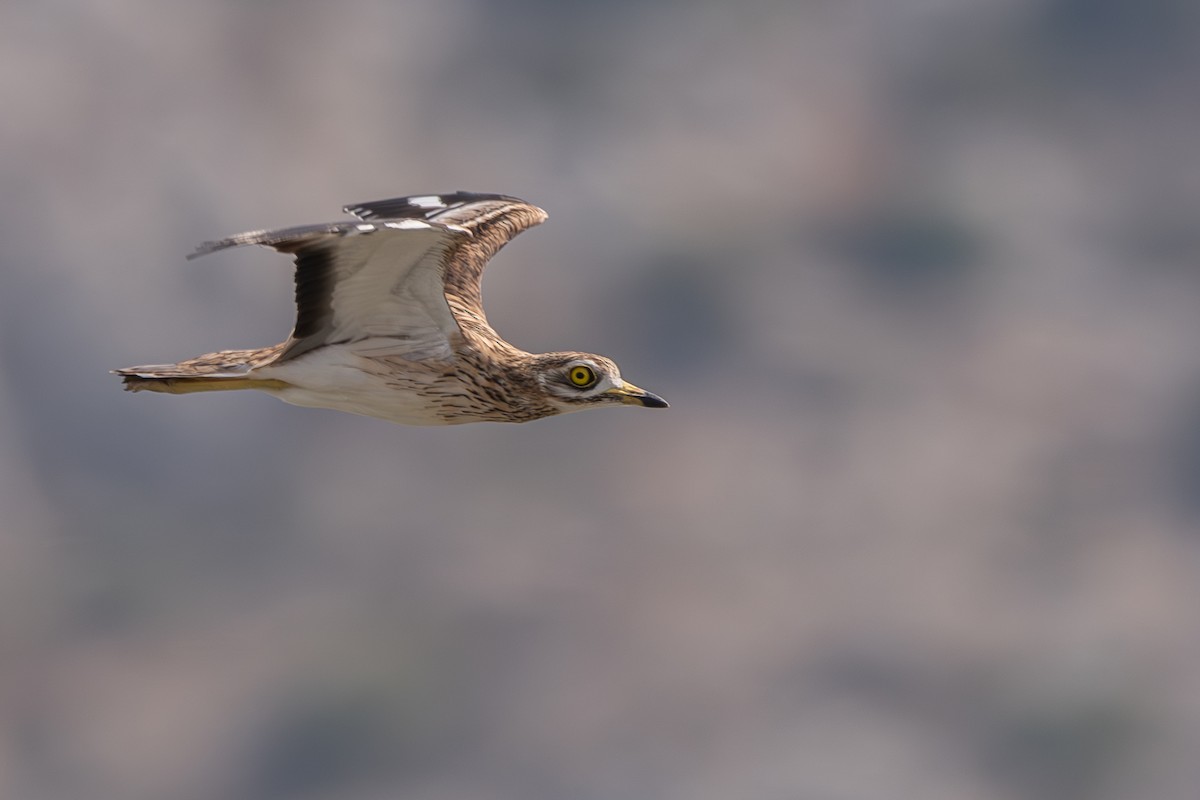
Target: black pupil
581,376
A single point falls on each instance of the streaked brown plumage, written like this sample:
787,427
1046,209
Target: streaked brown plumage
390,324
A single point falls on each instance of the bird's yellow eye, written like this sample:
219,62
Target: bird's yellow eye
582,376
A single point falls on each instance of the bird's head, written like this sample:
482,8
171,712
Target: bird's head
575,381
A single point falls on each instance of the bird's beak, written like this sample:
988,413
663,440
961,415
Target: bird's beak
631,395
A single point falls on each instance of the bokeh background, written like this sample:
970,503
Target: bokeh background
921,279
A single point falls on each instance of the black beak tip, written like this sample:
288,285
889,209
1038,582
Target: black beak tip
650,400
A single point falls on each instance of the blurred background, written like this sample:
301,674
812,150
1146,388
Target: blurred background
920,278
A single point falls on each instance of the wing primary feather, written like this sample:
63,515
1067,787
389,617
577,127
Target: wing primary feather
420,206
287,240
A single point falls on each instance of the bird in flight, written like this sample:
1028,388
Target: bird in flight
390,324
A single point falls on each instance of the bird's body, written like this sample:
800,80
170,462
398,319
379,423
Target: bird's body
390,324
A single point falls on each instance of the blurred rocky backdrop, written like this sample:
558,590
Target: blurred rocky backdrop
920,278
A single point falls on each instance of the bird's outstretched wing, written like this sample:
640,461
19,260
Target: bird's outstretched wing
492,219
395,274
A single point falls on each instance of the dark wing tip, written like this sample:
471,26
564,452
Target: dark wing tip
286,240
210,247
249,237
422,206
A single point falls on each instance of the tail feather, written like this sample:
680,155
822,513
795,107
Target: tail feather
212,372
187,385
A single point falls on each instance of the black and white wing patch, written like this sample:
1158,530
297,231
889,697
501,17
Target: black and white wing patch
365,280
492,220
422,206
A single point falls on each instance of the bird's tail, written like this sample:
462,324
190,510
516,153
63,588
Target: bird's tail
212,372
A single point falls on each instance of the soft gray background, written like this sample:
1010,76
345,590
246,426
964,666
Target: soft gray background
921,279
